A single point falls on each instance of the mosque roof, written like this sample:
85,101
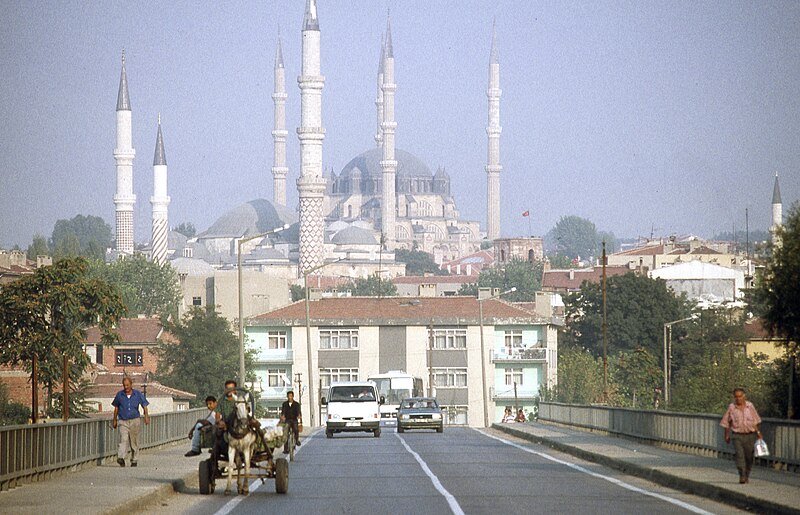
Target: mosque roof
191,266
248,219
160,157
123,99
354,236
776,191
369,163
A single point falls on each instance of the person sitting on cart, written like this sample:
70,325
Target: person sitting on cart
210,421
290,415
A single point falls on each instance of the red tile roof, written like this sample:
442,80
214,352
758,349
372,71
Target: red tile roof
133,330
647,250
434,279
560,280
755,330
107,384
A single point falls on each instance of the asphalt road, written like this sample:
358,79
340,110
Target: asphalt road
460,471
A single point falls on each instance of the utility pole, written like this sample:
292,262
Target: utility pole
430,363
299,381
605,328
65,390
35,388
516,400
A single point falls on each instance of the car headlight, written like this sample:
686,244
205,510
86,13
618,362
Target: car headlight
403,417
334,416
437,416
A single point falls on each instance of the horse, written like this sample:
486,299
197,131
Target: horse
242,439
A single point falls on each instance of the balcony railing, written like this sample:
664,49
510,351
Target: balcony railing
275,392
274,356
531,353
504,392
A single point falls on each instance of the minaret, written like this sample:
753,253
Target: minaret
379,98
124,153
311,184
777,212
388,126
160,200
279,133
493,129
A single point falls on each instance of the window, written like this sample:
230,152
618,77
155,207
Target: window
455,338
450,377
276,340
513,375
338,338
197,301
513,342
99,358
276,377
331,375
455,414
128,357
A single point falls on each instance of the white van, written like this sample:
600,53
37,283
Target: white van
353,406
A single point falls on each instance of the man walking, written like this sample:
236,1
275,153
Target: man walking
290,414
742,419
126,408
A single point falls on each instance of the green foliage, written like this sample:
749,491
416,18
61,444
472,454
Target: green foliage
637,309
574,236
780,374
11,413
634,376
372,286
778,294
39,247
418,262
559,261
206,355
526,276
580,377
297,292
87,236
187,229
79,407
486,244
146,288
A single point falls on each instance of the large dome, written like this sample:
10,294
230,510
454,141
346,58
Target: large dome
369,163
254,217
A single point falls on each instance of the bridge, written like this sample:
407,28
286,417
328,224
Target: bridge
574,459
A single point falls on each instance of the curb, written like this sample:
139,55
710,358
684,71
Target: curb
726,496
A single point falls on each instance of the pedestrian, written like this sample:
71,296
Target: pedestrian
743,421
126,408
508,417
210,420
291,415
521,416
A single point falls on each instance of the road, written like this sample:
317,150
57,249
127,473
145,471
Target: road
460,471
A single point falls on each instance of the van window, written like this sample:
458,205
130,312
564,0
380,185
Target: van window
352,394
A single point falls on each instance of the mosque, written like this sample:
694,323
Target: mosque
384,199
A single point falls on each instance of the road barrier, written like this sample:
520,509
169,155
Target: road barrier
35,452
687,432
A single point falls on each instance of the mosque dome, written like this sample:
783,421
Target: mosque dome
192,266
248,219
354,236
369,163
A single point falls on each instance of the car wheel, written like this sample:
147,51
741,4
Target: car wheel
400,429
440,429
377,433
329,433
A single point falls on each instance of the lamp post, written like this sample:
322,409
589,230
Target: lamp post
483,351
241,297
311,403
668,357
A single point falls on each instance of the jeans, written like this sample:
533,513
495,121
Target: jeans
292,425
128,438
196,436
744,445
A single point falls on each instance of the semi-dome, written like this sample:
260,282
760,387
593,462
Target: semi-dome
191,266
369,163
354,236
251,218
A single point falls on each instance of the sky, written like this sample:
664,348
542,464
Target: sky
644,117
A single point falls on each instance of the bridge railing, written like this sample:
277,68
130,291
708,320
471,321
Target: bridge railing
692,432
34,452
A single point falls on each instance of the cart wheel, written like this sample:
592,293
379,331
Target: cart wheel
400,429
204,475
281,476
377,433
291,446
328,433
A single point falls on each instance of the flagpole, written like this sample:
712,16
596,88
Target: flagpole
530,232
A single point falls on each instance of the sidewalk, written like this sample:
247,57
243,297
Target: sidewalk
769,490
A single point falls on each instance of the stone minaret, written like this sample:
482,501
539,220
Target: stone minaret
279,133
388,126
160,201
379,99
124,153
493,129
311,184
777,212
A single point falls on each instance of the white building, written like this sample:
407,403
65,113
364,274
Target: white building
707,283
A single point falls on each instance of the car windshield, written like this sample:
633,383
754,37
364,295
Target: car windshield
352,394
411,404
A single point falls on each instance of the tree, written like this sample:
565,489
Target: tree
372,286
187,229
206,355
11,413
634,375
525,276
87,236
297,292
39,247
418,262
46,314
574,236
580,377
147,288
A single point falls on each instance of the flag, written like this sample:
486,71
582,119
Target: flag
526,213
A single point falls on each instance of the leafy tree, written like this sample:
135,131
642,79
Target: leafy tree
147,288
634,375
79,407
525,276
11,412
781,376
560,261
187,229
87,236
297,292
418,262
580,377
39,247
46,315
206,355
637,309
372,286
574,236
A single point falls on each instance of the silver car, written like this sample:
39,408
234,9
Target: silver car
419,413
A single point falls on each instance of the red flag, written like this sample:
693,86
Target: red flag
526,213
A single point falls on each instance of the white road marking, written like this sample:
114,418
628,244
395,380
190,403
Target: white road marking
684,505
454,506
233,503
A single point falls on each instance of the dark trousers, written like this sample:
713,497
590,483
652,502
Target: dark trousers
744,446
292,425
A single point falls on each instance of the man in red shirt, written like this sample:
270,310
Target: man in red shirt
743,421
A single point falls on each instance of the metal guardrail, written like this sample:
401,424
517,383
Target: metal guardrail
34,452
698,433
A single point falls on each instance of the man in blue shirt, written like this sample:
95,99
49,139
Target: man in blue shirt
126,408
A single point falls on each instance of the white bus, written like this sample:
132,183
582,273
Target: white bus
394,386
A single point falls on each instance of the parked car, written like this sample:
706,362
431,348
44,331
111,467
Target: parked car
419,413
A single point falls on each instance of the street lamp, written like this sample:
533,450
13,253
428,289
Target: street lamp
483,351
311,403
668,357
241,297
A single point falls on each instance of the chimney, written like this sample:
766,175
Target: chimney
314,294
427,290
571,274
484,293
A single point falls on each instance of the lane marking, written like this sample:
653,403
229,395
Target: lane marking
233,503
623,484
451,501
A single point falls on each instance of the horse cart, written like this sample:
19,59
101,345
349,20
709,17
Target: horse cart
245,449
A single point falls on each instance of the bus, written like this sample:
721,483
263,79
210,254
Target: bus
394,386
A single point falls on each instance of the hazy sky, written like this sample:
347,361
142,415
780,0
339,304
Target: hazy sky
641,116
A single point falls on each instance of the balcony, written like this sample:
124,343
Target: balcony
270,356
534,354
275,392
506,392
